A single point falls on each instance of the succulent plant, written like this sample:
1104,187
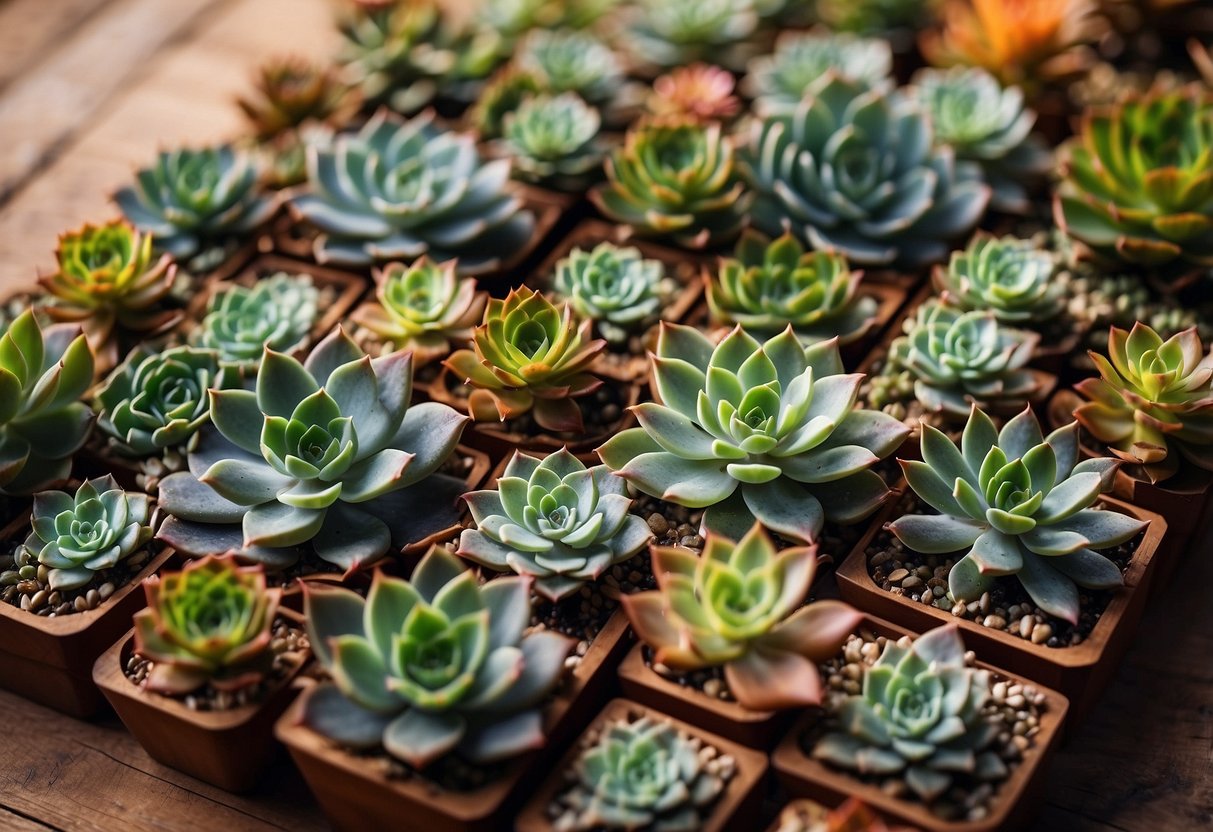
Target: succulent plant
919,716
1152,404
669,33
43,375
501,96
423,307
959,358
617,288
699,92
195,202
854,168
278,312
778,81
571,61
1013,278
529,355
675,179
158,400
756,430
432,665
554,140
873,17
770,285
513,18
1137,186
741,606
554,520
402,189
290,92
986,124
210,623
322,453
76,536
1021,506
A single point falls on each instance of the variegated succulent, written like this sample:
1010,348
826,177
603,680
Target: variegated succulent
617,288
1013,278
277,312
778,81
554,140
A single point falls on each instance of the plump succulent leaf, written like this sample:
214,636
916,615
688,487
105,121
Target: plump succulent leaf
554,140
699,92
617,288
278,312
1013,278
778,81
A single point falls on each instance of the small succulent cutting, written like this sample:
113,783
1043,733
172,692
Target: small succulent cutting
770,285
77,536
434,665
554,520
778,81
397,190
1013,278
756,430
571,61
741,606
278,312
529,356
423,307
700,92
1152,404
43,375
209,624
670,33
676,180
617,288
1021,504
919,716
554,140
290,92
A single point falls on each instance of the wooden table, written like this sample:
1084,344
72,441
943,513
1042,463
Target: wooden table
90,89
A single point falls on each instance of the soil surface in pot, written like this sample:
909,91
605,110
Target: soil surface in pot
26,583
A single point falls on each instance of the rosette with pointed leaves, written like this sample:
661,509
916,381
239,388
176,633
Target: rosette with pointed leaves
554,520
854,168
617,288
872,17
1021,506
571,61
195,202
919,716
554,140
741,606
1152,404
43,375
958,358
770,285
402,189
778,81
76,536
675,180
433,665
1013,278
211,623
676,32
756,430
423,307
276,312
529,355
290,92
500,96
700,92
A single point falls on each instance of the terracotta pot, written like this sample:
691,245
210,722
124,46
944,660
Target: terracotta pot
229,749
1017,798
734,810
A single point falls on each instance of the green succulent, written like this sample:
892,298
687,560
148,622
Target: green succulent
76,536
321,453
854,168
397,190
513,18
756,430
958,358
433,665
554,520
770,285
1020,505
873,17
554,140
741,606
158,400
615,287
571,61
502,95
278,312
1152,404
919,716
778,81
210,623
670,33
43,375
196,202
1013,278
676,180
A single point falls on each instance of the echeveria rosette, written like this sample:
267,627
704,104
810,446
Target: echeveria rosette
675,179
43,375
1013,278
75,536
554,140
770,285
209,624
434,665
700,92
741,606
669,33
397,190
290,92
154,401
616,287
1152,404
529,356
919,717
423,307
1021,504
501,96
325,453
555,520
855,168
571,61
778,81
278,312
759,430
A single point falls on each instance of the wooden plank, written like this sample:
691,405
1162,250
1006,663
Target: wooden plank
30,30
13,822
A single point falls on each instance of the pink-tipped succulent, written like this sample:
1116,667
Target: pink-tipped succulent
701,92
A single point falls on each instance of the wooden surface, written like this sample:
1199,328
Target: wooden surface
90,89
